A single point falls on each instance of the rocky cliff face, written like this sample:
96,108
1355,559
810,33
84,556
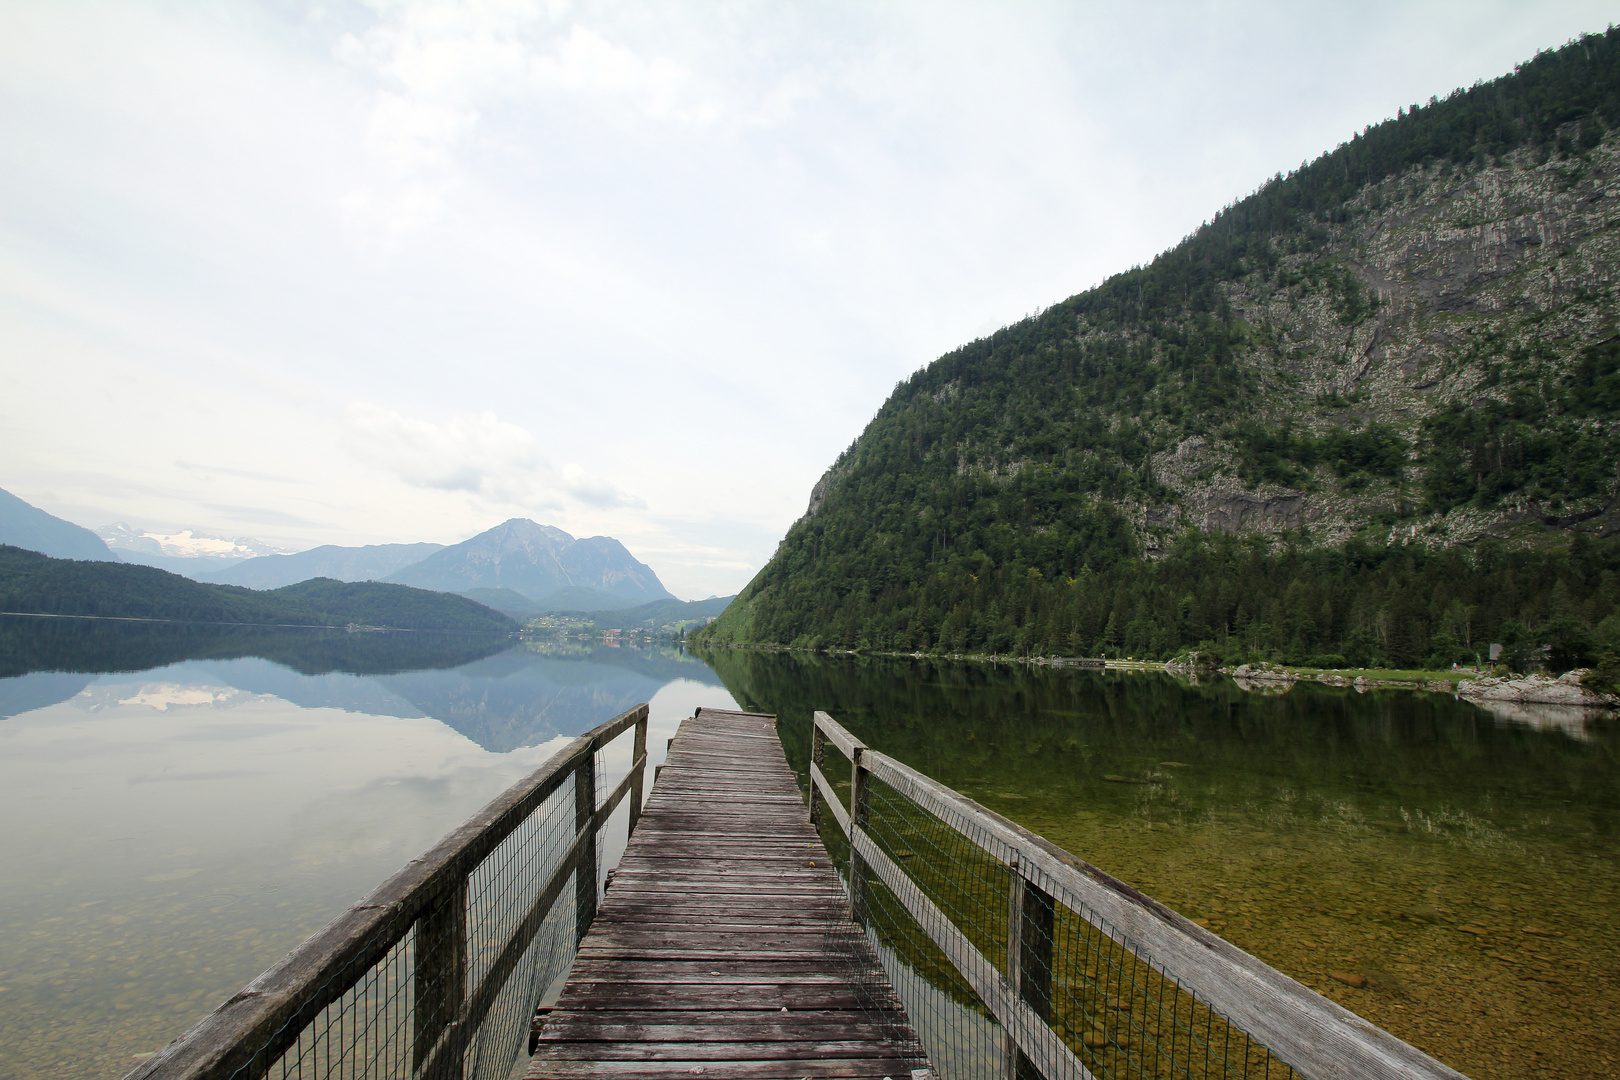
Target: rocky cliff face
1443,289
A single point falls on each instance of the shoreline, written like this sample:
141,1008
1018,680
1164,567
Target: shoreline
1535,689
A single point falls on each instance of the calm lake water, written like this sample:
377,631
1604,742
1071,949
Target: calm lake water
172,830
184,805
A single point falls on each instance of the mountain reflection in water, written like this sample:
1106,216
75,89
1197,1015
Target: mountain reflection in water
184,804
500,693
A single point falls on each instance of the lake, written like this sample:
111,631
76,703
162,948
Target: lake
1462,861
185,804
174,829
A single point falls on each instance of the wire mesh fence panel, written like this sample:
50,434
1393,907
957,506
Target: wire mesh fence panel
992,933
485,953
961,1036
364,1032
436,975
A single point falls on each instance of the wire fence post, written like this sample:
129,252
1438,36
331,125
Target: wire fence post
1036,917
818,755
584,815
1012,1057
637,772
440,977
859,812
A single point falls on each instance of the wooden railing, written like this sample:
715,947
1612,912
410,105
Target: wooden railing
1189,971
407,980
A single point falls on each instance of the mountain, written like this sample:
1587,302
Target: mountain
369,563
507,602
663,616
535,560
1369,413
191,552
26,526
583,598
35,583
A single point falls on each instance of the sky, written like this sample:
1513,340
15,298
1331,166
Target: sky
391,271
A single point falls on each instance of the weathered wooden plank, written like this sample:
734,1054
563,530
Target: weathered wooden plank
773,1050
719,920
716,954
697,872
613,995
799,1069
714,1026
698,904
631,906
753,970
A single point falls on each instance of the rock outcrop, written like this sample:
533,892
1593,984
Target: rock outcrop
1537,690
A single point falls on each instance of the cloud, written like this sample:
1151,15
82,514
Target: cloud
468,453
245,474
438,65
265,516
594,491
476,453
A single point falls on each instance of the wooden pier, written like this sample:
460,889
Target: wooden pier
724,946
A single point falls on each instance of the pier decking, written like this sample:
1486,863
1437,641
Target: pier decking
724,946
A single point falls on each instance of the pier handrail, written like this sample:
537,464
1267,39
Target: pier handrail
1308,1032
426,901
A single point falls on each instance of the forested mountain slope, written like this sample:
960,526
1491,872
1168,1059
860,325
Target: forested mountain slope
31,583
1366,413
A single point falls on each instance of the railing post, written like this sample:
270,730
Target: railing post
858,813
1031,918
639,768
1011,1055
584,818
818,755
440,978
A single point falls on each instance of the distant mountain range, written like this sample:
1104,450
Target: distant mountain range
26,526
372,562
536,561
191,552
519,567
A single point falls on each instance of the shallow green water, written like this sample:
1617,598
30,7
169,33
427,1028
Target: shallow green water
1462,862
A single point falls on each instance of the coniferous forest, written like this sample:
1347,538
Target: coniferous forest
1301,435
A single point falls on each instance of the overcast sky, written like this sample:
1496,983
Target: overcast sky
371,272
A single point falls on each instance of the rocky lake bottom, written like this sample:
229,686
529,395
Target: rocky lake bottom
1445,872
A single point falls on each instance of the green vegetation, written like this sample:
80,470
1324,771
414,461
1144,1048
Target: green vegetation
1538,442
1234,600
661,618
996,502
35,583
